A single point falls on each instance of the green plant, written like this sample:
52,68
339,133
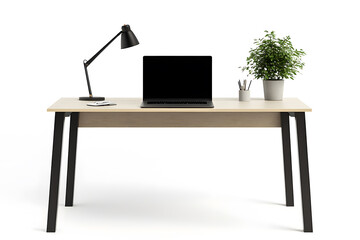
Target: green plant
274,58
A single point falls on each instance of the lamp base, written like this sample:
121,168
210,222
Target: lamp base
91,98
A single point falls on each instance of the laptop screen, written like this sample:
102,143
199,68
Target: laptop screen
177,77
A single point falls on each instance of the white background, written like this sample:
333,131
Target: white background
176,183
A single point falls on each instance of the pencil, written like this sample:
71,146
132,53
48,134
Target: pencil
249,85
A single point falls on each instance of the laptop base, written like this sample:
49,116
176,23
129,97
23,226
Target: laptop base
149,104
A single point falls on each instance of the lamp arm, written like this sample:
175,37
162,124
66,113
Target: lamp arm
88,62
87,79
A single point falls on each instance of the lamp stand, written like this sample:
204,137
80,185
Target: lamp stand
90,97
86,64
128,39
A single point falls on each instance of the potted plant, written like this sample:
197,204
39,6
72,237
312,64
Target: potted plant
273,60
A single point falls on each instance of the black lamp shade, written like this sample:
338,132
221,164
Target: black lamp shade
128,38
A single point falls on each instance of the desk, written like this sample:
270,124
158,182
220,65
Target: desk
228,112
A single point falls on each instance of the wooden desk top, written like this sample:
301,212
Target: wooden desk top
221,105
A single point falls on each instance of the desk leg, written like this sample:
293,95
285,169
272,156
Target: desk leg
285,132
55,171
304,171
74,124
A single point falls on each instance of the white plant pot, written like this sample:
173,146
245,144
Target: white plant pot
273,90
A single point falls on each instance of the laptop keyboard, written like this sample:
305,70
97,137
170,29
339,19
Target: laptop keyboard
176,102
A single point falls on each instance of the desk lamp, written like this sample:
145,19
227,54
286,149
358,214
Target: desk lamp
128,39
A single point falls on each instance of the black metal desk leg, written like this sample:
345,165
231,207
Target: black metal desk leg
285,131
74,123
55,171
304,171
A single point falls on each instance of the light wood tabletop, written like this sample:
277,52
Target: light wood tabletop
221,105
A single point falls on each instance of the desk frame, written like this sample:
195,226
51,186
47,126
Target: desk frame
243,119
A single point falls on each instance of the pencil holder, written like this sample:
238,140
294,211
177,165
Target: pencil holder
244,95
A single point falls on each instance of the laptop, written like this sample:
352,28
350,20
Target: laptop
177,82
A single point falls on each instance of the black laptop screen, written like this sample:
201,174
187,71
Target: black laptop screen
177,77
